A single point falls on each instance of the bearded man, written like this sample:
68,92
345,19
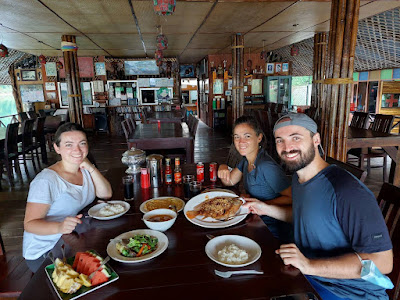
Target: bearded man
337,221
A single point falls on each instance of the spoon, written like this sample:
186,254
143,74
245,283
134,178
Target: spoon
63,253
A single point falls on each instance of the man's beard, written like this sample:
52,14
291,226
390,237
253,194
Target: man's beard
303,161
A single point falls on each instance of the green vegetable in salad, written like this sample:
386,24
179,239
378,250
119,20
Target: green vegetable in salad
139,245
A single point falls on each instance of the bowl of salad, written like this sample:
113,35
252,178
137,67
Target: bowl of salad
137,245
160,219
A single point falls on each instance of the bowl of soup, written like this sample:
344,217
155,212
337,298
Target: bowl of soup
160,219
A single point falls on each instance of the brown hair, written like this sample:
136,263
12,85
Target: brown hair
66,127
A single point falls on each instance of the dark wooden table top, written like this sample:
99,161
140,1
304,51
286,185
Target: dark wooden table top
183,271
364,138
165,131
175,115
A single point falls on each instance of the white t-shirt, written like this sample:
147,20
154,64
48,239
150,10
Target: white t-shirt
65,199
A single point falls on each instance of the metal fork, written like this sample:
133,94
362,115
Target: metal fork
230,273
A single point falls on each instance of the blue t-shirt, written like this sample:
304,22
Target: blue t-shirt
333,214
267,180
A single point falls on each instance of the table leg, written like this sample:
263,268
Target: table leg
396,180
190,151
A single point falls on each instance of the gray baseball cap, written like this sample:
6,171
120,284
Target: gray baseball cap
296,119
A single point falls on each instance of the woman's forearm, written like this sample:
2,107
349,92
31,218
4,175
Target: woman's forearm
42,227
101,184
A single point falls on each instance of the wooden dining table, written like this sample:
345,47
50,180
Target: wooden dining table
174,116
183,270
163,136
364,138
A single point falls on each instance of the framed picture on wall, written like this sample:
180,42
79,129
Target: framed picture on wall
51,69
28,75
100,68
278,67
285,67
270,67
63,94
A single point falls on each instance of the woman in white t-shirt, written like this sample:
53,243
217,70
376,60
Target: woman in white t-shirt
58,193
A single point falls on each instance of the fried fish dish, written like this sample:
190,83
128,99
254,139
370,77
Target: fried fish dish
219,208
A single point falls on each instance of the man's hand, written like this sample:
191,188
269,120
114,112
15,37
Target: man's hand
291,255
255,206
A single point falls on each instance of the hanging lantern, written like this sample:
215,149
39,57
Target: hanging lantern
42,59
3,51
162,42
59,65
294,51
164,7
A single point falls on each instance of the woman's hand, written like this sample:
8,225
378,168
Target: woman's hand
69,224
291,255
86,164
255,206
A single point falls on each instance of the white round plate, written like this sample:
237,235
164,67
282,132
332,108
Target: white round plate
218,243
210,222
218,190
114,254
143,205
94,211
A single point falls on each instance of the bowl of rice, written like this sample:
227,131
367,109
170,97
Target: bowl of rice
233,250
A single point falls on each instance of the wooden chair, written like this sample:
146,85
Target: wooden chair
39,140
359,120
128,123
357,172
131,120
26,147
382,123
10,152
23,116
389,203
195,125
125,128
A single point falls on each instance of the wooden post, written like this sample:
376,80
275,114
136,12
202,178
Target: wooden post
320,43
338,83
237,76
69,48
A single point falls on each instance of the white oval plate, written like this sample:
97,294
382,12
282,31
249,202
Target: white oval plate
143,205
94,211
210,222
162,246
218,243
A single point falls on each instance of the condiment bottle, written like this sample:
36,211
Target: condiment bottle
168,171
145,178
178,171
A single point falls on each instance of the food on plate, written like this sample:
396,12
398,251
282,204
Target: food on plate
159,218
220,208
139,245
233,255
65,277
111,210
163,203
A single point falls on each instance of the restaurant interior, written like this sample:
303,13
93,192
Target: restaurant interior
170,77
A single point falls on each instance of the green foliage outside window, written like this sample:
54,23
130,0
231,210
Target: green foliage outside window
7,103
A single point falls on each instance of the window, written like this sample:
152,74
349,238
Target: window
7,103
301,90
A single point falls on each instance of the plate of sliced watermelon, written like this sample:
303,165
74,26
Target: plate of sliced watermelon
162,245
70,280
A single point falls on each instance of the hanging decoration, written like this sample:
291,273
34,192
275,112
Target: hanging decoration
42,59
263,54
159,57
162,42
164,7
294,51
59,65
161,39
3,51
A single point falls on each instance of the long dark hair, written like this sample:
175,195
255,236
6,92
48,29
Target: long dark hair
254,124
66,127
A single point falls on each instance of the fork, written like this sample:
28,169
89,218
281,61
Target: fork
230,273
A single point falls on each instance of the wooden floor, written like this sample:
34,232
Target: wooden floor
210,146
